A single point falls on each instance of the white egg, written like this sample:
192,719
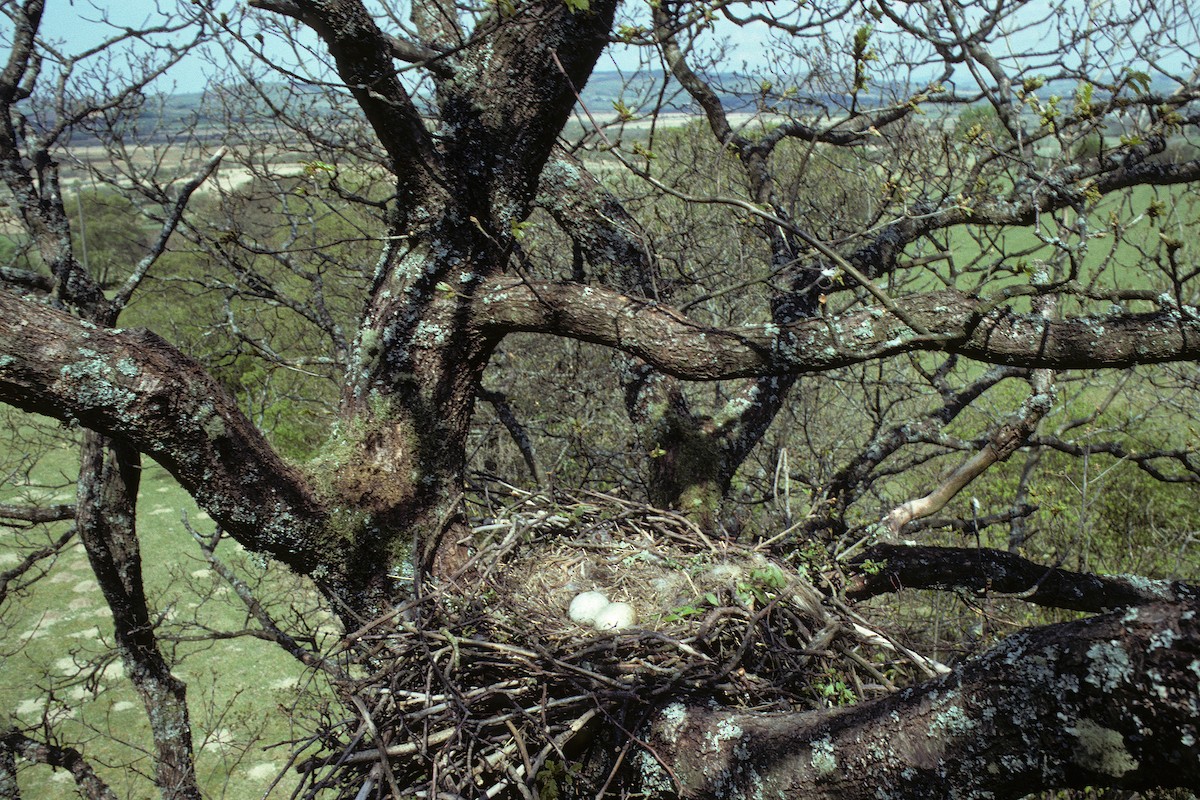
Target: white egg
586,606
614,617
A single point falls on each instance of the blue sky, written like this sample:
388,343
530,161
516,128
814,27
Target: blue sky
75,22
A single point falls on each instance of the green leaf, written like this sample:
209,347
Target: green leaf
1140,81
1083,100
682,613
643,151
313,167
627,33
624,112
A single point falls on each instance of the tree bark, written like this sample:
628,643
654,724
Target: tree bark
953,322
142,391
108,482
894,567
1108,701
14,743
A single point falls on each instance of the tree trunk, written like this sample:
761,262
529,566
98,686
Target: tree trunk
1108,701
105,516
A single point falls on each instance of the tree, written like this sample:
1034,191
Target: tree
460,113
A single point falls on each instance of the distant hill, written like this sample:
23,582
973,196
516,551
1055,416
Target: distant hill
638,92
603,89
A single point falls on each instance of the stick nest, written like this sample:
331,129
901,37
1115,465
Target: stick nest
486,688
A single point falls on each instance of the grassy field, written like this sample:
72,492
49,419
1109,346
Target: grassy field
990,259
58,657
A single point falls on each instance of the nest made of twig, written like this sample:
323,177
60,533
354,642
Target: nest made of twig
486,686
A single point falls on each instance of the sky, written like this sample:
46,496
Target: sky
75,22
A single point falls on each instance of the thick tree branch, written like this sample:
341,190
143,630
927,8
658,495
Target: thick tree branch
134,386
105,515
999,573
1107,701
619,252
701,92
615,245
364,60
26,279
517,81
857,129
91,785
520,437
37,514
955,323
26,20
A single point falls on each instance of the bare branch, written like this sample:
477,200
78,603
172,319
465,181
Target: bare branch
30,561
68,758
996,573
270,630
1145,460
1002,442
364,61
847,483
174,217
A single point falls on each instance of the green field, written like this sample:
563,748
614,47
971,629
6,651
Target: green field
57,644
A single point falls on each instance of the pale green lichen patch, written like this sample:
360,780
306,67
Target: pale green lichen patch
1157,687
728,730
93,381
1164,638
1102,749
952,722
654,778
671,721
1147,586
822,757
430,334
1108,665
210,421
